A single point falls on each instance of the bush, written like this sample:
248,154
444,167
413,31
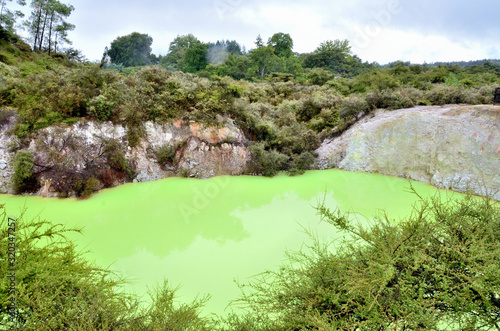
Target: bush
353,106
115,155
100,108
58,289
437,269
24,178
268,162
301,163
389,99
165,154
91,186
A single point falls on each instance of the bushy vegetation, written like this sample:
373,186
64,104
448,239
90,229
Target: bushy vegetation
58,289
24,178
436,269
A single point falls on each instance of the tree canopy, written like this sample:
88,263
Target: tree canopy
8,17
282,44
47,26
131,50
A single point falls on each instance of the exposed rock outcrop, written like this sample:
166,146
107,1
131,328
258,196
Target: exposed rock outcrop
453,147
62,152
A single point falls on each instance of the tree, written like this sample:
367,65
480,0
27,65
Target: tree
47,25
131,50
8,17
334,55
282,44
262,57
177,51
196,58
219,52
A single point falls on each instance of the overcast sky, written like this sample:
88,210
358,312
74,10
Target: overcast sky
378,30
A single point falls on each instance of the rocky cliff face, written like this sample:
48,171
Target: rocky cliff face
453,147
67,154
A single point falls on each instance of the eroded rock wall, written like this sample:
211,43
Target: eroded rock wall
201,152
453,147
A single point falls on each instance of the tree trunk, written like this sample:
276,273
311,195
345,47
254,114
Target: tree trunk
39,18
43,29
50,30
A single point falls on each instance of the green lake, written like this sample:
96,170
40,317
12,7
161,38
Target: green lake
205,234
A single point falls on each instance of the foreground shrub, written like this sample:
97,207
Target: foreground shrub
57,289
437,269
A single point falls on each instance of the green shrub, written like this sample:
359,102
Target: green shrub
58,289
300,163
166,153
437,269
389,99
100,108
267,162
115,155
319,76
24,178
353,106
91,186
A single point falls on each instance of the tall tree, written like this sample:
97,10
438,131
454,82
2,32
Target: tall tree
334,55
131,50
282,44
177,51
195,58
262,57
8,17
47,25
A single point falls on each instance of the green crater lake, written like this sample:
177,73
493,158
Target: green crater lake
205,234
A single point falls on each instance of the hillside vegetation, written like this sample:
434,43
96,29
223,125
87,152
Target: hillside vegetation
284,114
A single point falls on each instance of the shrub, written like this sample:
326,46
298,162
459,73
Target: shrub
268,162
353,106
115,155
100,108
437,269
166,153
91,185
389,99
24,178
58,289
301,163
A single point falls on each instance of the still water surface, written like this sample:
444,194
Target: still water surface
205,234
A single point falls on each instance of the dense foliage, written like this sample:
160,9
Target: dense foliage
437,269
131,50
